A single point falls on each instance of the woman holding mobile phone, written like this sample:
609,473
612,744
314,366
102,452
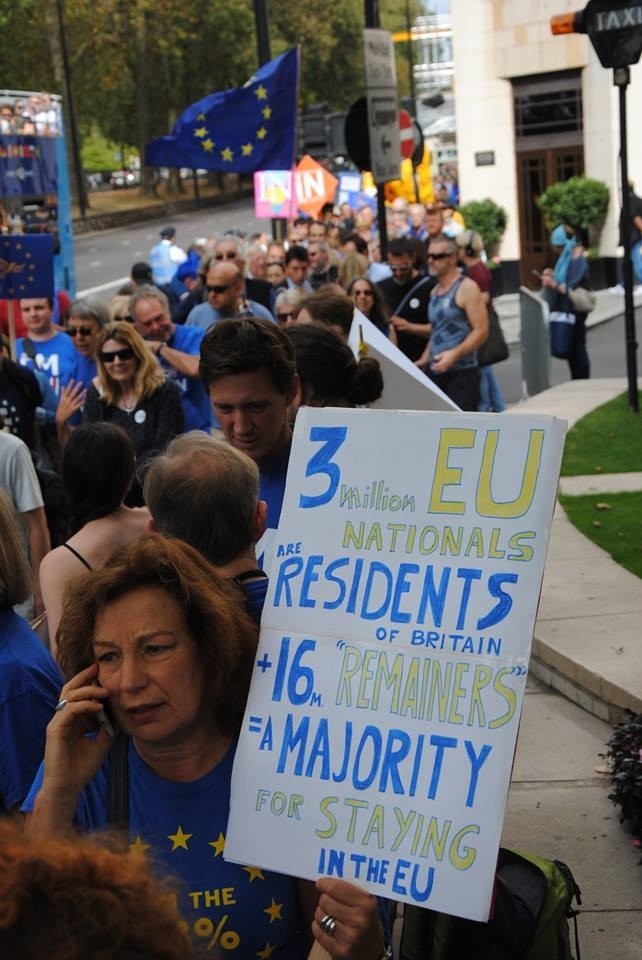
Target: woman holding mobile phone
173,652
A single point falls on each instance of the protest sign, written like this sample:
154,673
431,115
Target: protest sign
405,386
385,702
274,194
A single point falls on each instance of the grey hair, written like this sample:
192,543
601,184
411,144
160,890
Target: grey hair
147,292
89,309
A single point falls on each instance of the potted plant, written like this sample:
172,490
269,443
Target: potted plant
624,753
489,220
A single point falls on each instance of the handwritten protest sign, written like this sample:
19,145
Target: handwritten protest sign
382,719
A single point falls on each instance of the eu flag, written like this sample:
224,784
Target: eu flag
26,266
242,130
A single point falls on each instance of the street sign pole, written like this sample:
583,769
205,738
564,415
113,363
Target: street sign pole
614,31
621,77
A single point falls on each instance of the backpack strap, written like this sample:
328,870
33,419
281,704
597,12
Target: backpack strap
249,575
30,350
118,783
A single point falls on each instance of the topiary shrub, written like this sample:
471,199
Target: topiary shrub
624,753
579,202
488,219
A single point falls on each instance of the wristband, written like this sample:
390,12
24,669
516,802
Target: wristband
387,953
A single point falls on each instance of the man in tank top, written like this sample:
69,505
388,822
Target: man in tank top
459,322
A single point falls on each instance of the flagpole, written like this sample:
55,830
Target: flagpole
12,329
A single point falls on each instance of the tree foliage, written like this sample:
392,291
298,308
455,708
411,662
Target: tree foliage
579,202
136,64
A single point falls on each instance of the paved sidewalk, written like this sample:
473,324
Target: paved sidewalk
587,642
587,646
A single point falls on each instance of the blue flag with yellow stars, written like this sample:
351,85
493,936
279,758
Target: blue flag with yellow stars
26,266
242,130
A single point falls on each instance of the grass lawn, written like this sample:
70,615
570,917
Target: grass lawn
613,522
608,440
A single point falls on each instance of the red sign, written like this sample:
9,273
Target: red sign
406,134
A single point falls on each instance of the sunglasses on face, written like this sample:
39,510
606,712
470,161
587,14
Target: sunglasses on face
400,267
218,287
439,256
108,356
363,293
228,255
79,331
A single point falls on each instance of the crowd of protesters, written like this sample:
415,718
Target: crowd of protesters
143,455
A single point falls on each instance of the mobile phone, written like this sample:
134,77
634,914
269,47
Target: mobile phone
104,720
537,274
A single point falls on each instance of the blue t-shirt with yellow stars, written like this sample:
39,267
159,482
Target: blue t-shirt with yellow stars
231,910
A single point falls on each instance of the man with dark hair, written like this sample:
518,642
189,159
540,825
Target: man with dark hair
297,262
407,293
248,367
45,347
141,272
206,492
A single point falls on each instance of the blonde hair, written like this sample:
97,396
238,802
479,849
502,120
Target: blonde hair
15,576
116,306
149,375
352,266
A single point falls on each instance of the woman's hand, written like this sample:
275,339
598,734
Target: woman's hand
71,758
72,398
358,934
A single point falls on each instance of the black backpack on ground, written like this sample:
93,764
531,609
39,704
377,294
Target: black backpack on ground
533,902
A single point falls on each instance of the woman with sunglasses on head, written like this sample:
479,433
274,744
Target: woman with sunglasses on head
369,300
130,389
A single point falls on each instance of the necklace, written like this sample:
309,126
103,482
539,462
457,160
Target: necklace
128,407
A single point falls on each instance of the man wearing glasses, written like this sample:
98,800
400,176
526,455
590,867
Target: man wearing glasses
232,249
459,322
177,349
225,292
407,293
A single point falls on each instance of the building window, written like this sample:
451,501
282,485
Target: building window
555,112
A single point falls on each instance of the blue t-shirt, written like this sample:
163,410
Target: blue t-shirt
84,372
30,684
231,910
56,357
255,594
204,316
272,474
196,403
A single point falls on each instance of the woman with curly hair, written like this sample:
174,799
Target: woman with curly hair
131,391
77,899
160,641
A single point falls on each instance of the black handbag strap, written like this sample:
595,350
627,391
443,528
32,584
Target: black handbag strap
118,786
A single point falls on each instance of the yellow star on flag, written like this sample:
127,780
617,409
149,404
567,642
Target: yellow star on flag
255,873
218,845
266,952
267,112
261,92
201,132
274,911
201,116
208,145
227,155
138,846
262,133
246,149
179,839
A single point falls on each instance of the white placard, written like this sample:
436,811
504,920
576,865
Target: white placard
405,387
381,724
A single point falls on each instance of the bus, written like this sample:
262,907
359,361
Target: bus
34,177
